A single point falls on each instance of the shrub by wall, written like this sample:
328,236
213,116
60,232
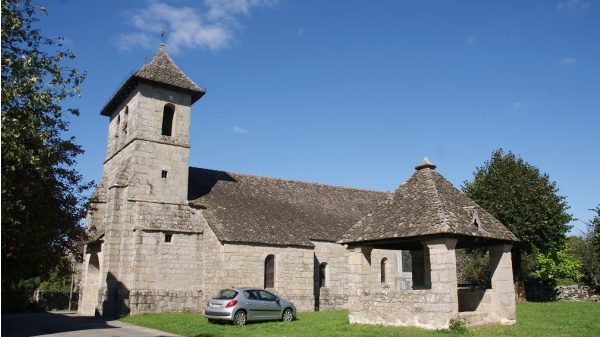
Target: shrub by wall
54,300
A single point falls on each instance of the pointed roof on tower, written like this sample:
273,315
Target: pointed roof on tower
160,70
427,205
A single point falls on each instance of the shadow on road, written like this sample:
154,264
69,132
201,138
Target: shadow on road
69,324
44,323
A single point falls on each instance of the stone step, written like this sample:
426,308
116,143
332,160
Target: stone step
481,324
473,317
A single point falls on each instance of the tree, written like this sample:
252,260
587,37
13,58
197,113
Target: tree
593,233
42,194
525,201
587,250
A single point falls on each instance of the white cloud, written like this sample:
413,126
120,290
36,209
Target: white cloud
239,130
128,41
517,105
572,5
566,61
211,26
470,39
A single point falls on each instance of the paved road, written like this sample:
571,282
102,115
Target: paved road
68,324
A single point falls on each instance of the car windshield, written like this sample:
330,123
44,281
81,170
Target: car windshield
226,294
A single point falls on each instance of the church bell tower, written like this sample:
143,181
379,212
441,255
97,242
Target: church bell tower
148,137
144,186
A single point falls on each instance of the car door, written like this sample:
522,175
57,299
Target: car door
270,304
254,307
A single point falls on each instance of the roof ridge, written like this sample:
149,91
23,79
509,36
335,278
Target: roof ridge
298,181
441,211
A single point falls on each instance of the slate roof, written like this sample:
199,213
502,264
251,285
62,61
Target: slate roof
427,205
252,209
160,70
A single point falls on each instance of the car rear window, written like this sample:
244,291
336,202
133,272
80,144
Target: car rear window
226,294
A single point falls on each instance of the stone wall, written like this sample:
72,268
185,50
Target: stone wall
244,265
421,308
155,301
370,303
437,300
333,294
213,260
561,293
172,265
140,116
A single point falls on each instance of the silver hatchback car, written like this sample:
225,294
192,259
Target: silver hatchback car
241,305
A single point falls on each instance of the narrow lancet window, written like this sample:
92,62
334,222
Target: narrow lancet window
270,271
383,263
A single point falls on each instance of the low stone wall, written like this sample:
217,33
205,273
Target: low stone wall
329,301
420,308
561,293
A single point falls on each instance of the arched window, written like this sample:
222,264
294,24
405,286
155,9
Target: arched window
167,122
383,263
322,269
270,271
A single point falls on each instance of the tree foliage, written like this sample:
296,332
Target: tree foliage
593,233
524,200
587,250
59,279
42,194
475,265
557,264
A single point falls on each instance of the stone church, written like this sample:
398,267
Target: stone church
164,236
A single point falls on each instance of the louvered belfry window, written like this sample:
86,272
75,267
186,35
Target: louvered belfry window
270,271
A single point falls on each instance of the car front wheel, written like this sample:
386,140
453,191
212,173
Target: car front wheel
239,318
288,315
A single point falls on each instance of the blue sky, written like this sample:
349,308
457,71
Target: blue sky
356,93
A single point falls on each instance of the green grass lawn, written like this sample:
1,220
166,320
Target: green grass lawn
533,319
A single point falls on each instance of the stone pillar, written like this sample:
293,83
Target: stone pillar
426,267
359,269
442,262
503,287
404,279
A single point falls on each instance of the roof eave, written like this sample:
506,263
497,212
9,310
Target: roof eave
415,241
270,244
129,86
119,96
